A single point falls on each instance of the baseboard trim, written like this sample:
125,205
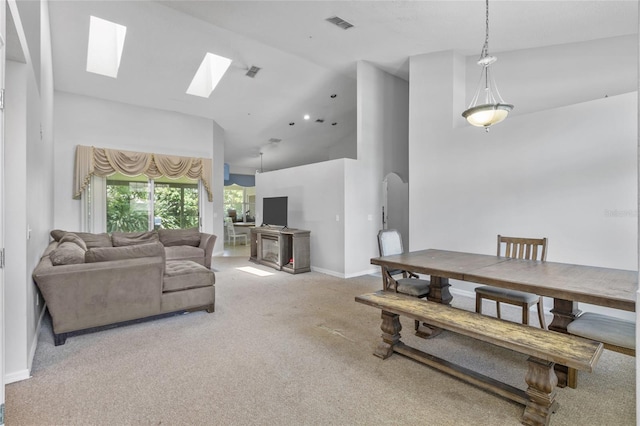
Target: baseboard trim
327,272
25,374
17,376
34,344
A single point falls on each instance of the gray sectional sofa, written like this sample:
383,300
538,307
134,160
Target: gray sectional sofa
90,281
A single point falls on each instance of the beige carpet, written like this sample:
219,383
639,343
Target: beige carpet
288,350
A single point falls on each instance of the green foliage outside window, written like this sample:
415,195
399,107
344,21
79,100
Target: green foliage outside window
124,212
176,206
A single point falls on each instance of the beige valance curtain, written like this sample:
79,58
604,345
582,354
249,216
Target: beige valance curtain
105,162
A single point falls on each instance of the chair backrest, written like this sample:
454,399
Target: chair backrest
523,248
231,229
389,242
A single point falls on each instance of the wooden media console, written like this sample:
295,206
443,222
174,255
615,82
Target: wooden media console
283,249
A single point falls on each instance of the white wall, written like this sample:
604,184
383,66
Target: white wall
567,173
16,223
28,199
316,202
81,120
216,219
383,102
340,201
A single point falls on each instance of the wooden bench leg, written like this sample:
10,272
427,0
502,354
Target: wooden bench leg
541,392
390,334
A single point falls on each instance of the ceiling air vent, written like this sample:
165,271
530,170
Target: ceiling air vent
252,71
340,22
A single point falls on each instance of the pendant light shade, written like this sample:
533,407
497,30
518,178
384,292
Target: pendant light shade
487,106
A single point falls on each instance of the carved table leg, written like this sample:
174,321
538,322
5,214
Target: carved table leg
439,290
390,334
542,383
564,311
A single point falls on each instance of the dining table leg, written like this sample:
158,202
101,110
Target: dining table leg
439,290
564,311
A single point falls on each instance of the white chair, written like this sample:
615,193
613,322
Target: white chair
231,234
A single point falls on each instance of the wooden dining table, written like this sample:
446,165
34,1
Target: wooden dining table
567,284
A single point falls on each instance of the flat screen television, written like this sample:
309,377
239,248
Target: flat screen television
274,211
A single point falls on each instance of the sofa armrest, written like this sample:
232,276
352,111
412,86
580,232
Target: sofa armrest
89,295
207,241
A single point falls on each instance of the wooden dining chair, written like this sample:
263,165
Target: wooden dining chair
399,280
517,248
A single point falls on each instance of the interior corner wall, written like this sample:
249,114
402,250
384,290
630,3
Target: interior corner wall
216,220
382,141
29,199
15,307
316,202
82,120
566,173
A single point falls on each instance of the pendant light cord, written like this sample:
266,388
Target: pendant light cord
485,48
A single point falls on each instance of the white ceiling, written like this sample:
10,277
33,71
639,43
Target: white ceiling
304,58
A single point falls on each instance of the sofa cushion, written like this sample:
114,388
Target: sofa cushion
104,254
90,239
73,238
195,254
179,237
185,274
120,239
67,253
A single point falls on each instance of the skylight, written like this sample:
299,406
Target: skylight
208,75
106,40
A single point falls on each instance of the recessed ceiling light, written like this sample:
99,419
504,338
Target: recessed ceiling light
208,75
106,41
307,116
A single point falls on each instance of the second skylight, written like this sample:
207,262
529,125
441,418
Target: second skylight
106,41
208,75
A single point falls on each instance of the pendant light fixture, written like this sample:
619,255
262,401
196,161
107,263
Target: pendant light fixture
487,106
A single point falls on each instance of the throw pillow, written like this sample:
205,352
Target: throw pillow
90,239
56,234
179,237
67,253
120,239
73,238
104,254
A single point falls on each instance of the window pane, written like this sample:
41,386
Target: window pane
176,205
239,203
127,205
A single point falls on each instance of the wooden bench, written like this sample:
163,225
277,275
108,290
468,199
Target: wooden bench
545,348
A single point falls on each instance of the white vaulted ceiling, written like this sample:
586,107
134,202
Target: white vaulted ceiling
303,58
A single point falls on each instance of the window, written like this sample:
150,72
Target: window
240,203
130,201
